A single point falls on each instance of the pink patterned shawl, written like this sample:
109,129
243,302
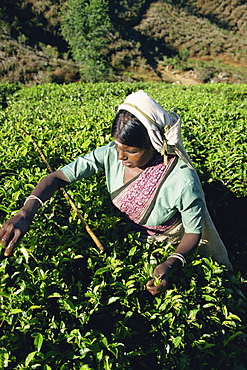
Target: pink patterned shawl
136,198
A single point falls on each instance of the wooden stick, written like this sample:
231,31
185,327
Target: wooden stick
72,204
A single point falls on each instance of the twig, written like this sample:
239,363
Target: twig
72,204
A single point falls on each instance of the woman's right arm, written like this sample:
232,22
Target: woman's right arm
14,228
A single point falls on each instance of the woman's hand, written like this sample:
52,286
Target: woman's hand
188,242
13,230
161,272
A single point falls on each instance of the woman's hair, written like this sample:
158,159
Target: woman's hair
130,131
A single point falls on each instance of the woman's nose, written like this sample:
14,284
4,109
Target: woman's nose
121,155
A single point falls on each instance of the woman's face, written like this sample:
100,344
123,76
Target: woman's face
132,156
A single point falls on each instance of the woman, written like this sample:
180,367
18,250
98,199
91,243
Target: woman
151,181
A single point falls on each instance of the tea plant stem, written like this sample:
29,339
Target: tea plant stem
72,204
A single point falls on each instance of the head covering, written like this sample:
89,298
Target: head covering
164,129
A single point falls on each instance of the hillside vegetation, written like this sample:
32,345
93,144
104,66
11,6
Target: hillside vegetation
151,39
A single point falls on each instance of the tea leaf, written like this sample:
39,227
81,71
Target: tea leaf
38,341
4,357
25,253
29,358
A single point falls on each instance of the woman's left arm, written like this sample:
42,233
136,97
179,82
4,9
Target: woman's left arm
188,242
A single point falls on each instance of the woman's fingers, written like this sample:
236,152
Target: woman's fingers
9,249
9,240
10,234
6,234
155,289
150,282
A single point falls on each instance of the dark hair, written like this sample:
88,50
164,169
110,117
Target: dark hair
130,131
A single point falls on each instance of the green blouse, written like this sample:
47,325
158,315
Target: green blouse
181,191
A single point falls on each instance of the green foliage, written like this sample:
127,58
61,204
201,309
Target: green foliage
34,51
184,54
7,89
86,26
126,13
65,305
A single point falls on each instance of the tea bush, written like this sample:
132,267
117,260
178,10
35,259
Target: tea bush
64,304
7,89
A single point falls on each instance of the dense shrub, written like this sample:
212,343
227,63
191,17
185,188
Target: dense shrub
86,27
64,304
7,89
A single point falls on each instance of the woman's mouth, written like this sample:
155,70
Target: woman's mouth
126,163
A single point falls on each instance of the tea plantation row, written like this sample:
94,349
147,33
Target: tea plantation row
64,304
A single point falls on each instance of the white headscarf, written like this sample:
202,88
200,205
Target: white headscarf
164,129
